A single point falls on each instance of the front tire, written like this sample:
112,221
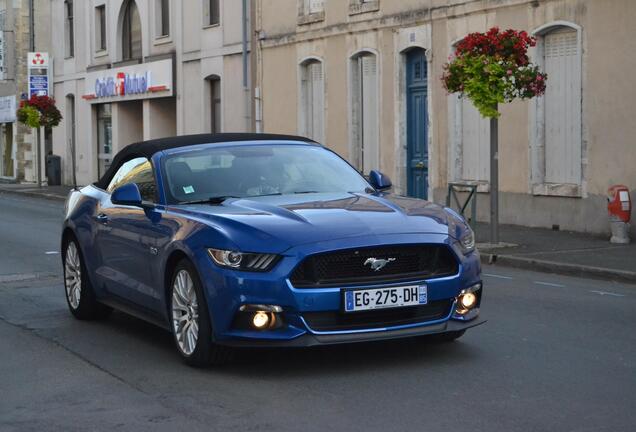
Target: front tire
190,320
79,291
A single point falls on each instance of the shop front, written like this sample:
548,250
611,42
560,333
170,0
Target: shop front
7,146
130,104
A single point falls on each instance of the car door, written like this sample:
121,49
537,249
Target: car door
127,238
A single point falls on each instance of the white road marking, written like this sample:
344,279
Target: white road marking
497,276
549,284
51,252
604,293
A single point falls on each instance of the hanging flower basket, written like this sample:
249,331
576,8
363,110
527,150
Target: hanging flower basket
39,111
492,68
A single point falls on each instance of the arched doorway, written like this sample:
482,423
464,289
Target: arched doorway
417,123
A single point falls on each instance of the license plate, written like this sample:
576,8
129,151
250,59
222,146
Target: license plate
381,298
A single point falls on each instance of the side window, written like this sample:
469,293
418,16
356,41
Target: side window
138,171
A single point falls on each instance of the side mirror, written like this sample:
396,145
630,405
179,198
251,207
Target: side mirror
127,194
379,181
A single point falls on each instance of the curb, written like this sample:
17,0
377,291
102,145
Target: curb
30,194
566,269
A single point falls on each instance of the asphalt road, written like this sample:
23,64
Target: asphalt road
558,353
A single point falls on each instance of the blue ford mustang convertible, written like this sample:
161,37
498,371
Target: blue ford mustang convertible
264,240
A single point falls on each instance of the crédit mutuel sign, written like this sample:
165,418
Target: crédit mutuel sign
140,81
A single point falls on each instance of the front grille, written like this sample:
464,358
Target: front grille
347,267
341,321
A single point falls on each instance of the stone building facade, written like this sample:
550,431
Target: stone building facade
17,142
363,76
131,70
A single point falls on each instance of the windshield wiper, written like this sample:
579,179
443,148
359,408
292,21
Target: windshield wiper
306,192
211,200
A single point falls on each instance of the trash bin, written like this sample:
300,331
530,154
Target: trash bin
619,208
54,170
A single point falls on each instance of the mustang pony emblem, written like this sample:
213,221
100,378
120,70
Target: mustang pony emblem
378,264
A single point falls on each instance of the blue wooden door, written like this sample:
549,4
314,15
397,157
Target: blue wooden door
417,127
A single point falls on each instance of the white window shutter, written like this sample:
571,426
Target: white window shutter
370,141
562,108
316,6
318,110
475,136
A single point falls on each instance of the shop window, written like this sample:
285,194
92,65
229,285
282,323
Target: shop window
100,28
131,32
6,150
162,13
312,104
69,34
104,138
365,153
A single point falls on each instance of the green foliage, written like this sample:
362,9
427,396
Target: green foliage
29,115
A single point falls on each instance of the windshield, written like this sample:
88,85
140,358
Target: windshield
252,171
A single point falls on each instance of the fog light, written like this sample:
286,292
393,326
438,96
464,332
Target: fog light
468,300
260,320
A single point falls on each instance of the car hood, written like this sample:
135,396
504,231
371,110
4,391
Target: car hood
276,223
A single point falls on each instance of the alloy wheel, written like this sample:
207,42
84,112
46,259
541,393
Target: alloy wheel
185,312
73,275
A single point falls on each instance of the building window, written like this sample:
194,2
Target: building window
310,11
104,138
312,89
362,6
131,32
69,36
557,139
365,151
100,28
162,13
212,11
214,86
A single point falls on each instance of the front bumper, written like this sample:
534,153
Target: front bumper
227,290
310,339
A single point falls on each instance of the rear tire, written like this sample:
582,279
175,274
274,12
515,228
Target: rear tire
190,320
80,296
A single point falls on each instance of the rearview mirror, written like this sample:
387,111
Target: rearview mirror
127,194
379,181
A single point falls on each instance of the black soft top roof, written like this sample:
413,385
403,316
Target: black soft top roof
148,148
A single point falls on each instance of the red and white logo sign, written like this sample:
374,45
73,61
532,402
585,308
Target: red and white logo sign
36,60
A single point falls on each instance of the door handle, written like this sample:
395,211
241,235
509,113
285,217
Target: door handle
419,165
102,218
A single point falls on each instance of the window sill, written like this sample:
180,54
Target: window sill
311,18
356,7
557,190
162,40
211,26
101,53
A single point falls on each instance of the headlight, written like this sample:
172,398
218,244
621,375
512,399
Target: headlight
242,260
467,242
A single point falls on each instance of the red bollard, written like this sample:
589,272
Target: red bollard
619,208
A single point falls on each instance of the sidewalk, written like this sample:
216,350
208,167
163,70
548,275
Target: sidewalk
58,193
577,254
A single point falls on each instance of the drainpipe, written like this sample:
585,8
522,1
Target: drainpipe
246,89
